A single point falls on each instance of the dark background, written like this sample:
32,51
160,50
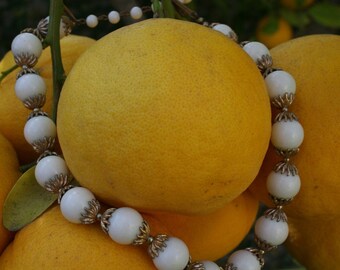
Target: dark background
242,15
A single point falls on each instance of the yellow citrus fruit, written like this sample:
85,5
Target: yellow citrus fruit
164,115
51,242
13,114
210,237
314,62
273,37
315,243
9,173
296,4
7,62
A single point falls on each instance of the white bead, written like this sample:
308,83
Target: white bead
91,21
62,29
224,29
175,255
114,17
29,85
124,225
256,50
26,43
280,82
272,231
185,1
136,13
49,167
38,128
208,265
287,134
244,260
74,202
283,186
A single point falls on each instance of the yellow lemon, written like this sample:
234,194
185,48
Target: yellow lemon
51,242
314,62
9,173
210,237
13,114
165,115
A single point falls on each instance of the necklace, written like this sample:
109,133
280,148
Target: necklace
78,204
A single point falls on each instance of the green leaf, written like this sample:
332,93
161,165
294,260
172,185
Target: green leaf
297,19
326,14
26,201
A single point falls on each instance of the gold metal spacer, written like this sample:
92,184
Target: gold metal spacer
25,71
287,153
46,154
258,253
144,234
90,213
280,201
35,102
285,116
263,245
36,112
283,101
195,266
58,182
157,245
26,60
276,214
286,167
104,219
230,266
40,146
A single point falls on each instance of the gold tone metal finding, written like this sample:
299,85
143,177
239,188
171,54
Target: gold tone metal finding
144,234
90,213
157,245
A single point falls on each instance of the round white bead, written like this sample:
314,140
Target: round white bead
114,17
287,134
244,260
136,13
91,21
29,85
26,43
62,29
208,265
272,231
38,128
256,50
185,1
283,186
175,255
280,82
49,167
224,29
124,225
73,203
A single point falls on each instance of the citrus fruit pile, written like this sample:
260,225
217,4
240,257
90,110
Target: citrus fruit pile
173,119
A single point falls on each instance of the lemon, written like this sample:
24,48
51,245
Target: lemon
165,115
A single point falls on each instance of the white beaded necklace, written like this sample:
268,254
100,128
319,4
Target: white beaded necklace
125,225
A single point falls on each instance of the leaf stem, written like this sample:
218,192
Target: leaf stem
53,40
169,10
3,74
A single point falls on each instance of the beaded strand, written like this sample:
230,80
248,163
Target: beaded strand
125,225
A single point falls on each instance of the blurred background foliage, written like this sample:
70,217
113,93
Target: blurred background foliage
269,21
